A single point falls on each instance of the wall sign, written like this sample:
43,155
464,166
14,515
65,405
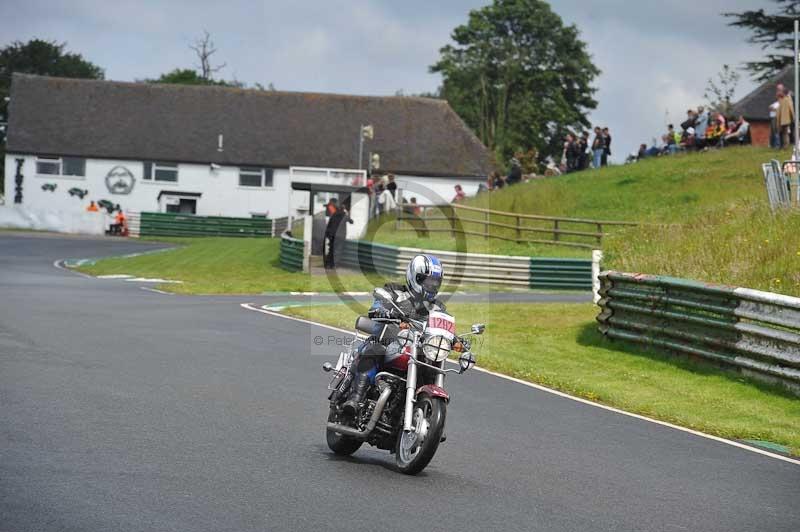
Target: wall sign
18,177
49,187
120,180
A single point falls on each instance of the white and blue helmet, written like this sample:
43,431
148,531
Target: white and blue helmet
424,276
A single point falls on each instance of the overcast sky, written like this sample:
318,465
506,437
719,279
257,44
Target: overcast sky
656,56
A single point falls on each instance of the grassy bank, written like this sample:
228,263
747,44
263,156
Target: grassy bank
704,216
223,266
558,345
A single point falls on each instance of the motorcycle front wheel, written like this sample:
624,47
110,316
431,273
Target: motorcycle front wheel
415,448
338,443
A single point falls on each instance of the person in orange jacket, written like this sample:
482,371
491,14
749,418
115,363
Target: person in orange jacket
92,207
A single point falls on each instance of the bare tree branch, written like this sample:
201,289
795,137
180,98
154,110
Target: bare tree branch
204,49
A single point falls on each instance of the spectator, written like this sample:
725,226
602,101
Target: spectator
642,152
515,173
598,147
607,152
701,123
459,197
785,114
688,141
689,122
386,201
332,230
571,153
92,207
740,133
331,207
774,131
415,209
583,146
391,186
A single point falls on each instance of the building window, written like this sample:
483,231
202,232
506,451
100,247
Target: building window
255,177
48,166
66,166
75,166
160,172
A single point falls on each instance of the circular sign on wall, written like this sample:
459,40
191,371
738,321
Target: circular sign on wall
120,180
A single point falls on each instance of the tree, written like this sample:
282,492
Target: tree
518,77
719,93
187,76
770,31
204,48
37,56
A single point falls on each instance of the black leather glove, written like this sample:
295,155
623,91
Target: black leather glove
384,313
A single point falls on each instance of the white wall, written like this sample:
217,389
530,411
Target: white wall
221,193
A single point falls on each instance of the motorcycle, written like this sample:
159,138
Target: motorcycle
405,406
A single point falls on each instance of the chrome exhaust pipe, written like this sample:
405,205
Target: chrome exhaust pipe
380,404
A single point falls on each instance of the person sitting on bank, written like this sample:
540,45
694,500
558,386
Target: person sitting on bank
92,207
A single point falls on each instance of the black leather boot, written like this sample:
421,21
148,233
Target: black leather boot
350,407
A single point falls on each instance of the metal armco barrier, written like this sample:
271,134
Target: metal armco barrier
291,254
171,224
756,332
561,273
572,274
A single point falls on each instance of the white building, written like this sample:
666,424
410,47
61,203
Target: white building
221,151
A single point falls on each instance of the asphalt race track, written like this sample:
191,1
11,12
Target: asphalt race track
123,409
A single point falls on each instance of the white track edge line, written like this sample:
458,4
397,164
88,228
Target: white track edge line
155,290
60,265
732,443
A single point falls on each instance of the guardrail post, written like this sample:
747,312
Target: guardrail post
486,226
556,232
308,228
519,231
600,233
597,257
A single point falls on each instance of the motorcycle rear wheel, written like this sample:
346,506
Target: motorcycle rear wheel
338,443
415,449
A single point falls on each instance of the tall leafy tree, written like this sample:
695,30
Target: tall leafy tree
518,77
37,56
773,32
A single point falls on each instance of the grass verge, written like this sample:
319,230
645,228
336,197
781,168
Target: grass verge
221,265
558,345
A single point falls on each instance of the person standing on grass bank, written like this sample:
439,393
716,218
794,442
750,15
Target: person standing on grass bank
515,173
785,114
598,147
391,186
460,195
701,123
583,147
607,151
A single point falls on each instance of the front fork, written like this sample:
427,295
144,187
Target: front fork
411,387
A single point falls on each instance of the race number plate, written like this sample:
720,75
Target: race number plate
441,324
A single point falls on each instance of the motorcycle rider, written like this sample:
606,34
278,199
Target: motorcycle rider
416,299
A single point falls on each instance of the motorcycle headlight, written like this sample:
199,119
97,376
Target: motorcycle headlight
436,348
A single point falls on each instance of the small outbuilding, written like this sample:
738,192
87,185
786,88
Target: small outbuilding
755,106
